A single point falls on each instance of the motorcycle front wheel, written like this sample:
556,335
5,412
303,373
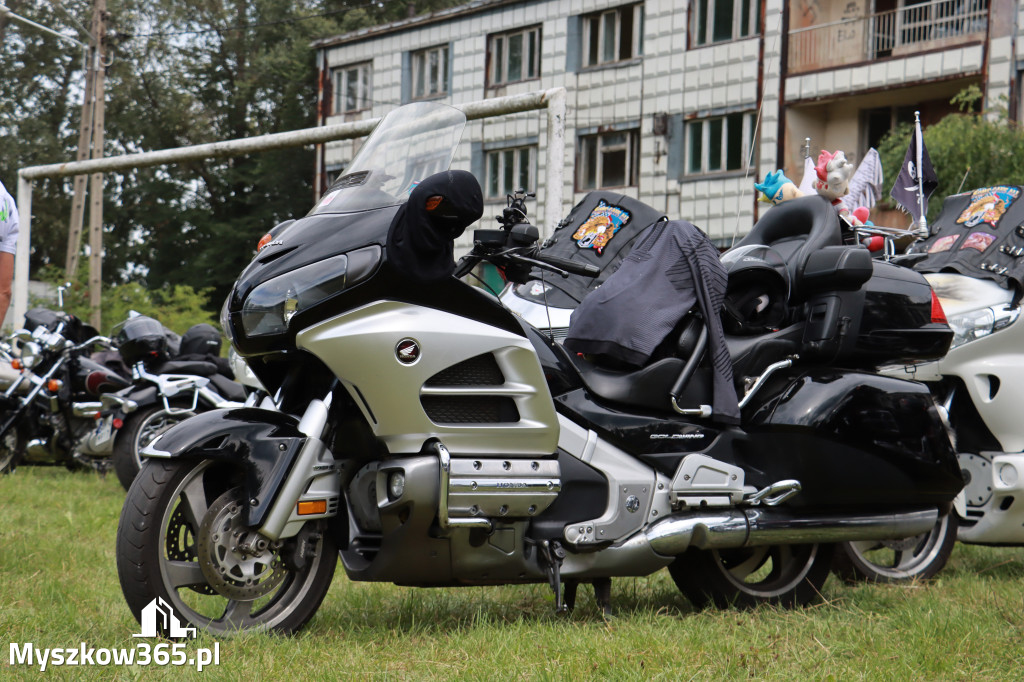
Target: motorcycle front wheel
12,447
182,539
897,561
785,575
138,430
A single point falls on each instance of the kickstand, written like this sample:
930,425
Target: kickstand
603,595
569,594
552,554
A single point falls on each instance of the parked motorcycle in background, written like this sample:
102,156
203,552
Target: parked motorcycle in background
173,379
48,411
432,438
599,231
973,260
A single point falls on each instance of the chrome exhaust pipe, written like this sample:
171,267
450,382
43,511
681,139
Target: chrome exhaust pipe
729,529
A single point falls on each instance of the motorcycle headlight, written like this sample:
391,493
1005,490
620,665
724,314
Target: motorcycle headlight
976,324
269,307
30,354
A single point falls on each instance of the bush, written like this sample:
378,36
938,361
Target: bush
987,146
177,308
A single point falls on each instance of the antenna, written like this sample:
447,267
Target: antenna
757,125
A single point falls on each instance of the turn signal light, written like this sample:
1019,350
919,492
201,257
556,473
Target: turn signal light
434,201
16,364
53,385
264,240
312,507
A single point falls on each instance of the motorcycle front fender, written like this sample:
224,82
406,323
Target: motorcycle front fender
264,443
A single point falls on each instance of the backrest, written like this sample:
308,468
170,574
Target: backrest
796,229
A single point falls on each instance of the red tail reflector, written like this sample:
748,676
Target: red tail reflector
938,315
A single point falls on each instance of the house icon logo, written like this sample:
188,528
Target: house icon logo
159,614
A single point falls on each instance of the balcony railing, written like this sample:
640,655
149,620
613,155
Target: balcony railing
904,31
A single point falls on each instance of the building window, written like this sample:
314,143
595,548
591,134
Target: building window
351,88
513,56
430,72
608,160
511,169
719,144
716,21
614,35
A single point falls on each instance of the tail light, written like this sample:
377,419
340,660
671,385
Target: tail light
938,315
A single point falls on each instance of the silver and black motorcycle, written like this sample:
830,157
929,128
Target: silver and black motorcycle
428,436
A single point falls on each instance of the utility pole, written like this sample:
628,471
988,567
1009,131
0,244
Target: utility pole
78,202
99,31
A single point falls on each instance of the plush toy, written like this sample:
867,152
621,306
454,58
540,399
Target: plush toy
777,188
834,173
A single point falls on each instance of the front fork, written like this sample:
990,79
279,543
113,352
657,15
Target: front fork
312,487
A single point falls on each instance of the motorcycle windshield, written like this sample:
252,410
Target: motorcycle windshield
408,145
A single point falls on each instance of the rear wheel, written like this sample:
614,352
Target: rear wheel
786,575
138,430
894,561
182,538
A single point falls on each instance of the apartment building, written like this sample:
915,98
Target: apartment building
682,104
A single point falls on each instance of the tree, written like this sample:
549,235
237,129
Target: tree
986,146
184,72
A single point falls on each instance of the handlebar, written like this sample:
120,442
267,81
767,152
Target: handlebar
96,339
570,267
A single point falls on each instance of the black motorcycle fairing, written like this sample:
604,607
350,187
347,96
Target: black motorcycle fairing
558,369
311,239
387,284
263,442
334,234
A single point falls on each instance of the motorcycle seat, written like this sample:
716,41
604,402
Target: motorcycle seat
649,386
195,367
796,229
232,390
751,355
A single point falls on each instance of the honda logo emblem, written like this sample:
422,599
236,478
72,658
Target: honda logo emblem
407,351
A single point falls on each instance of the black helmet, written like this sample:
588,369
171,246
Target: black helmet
757,292
200,339
142,339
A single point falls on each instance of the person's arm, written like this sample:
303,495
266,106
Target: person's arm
6,275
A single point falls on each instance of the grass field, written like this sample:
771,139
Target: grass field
59,588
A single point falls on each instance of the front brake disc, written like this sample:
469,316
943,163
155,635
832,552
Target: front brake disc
231,570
